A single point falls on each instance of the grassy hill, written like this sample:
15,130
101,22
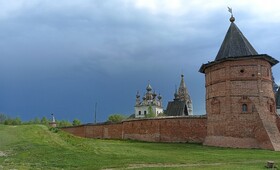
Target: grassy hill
36,147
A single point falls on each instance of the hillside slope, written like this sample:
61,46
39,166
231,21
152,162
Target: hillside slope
36,147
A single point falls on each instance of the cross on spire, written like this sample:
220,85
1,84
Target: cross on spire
232,19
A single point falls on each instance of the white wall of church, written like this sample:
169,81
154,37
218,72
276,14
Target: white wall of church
190,109
141,111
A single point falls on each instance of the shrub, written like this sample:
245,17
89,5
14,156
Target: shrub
76,122
3,117
116,118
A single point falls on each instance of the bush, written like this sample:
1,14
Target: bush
54,129
116,118
44,121
63,123
161,115
3,118
36,120
10,121
76,122
151,113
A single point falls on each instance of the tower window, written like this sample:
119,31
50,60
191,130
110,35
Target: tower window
244,108
267,72
139,112
145,112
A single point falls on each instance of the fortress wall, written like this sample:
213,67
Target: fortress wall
142,129
170,129
75,130
180,130
104,131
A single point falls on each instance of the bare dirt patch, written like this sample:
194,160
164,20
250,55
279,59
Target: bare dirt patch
137,166
2,154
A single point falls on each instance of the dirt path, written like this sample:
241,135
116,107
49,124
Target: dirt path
137,166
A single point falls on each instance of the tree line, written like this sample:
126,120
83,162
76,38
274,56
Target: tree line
6,120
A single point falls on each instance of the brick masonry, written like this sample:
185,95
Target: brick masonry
176,129
240,105
171,129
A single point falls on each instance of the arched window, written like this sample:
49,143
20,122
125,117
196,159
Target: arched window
139,112
244,108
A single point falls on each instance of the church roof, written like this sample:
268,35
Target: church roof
236,47
176,108
278,98
182,83
235,44
183,93
149,87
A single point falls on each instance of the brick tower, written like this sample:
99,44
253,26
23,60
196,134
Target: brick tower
240,102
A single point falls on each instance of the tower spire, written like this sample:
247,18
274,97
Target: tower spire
235,43
232,19
182,91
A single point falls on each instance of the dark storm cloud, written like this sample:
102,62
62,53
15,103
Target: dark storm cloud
63,57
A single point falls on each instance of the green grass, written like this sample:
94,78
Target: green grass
35,147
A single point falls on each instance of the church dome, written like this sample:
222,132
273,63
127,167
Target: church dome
149,88
159,97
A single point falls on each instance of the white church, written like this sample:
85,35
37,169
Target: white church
151,103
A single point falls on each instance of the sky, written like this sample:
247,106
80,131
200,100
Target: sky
63,57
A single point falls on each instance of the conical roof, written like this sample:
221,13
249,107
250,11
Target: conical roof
149,87
234,47
183,93
235,44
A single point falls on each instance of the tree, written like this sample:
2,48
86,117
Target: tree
9,121
16,121
150,113
76,122
3,117
161,115
63,123
44,121
116,118
36,120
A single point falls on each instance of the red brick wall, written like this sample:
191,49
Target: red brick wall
175,129
231,84
76,130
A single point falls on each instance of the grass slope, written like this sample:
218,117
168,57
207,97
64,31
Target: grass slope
35,147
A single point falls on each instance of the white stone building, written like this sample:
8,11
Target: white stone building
151,103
